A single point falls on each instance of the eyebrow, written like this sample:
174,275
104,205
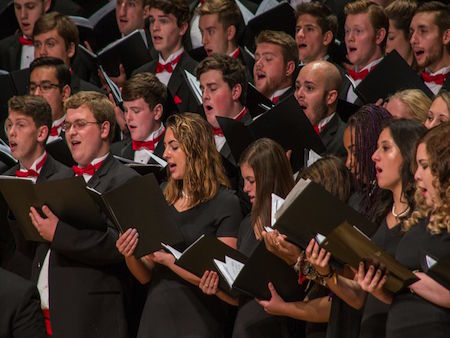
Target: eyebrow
308,82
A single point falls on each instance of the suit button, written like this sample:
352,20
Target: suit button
39,265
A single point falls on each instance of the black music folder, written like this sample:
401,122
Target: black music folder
131,51
60,151
200,255
278,18
439,269
284,123
100,28
140,204
145,168
252,277
391,75
256,102
67,198
350,245
309,209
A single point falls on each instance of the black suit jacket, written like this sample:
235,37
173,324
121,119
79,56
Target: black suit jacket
20,313
248,61
286,94
226,151
10,53
20,261
125,149
345,86
86,272
78,85
332,136
177,86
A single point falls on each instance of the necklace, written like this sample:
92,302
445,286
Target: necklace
403,213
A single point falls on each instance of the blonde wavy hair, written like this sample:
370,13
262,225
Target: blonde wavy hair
437,145
204,170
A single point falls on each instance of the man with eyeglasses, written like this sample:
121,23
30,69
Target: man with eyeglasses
50,78
27,127
81,268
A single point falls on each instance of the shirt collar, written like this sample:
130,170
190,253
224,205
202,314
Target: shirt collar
36,161
171,57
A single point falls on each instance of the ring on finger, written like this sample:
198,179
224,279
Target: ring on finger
314,255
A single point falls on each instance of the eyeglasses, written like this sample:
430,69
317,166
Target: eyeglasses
78,124
44,86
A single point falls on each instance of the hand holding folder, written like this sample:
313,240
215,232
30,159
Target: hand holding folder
349,245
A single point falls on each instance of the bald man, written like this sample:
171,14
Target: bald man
317,90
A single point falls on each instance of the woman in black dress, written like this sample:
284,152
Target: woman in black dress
201,204
331,173
392,158
423,309
265,170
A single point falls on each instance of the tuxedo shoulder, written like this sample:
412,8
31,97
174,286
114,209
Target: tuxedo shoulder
146,67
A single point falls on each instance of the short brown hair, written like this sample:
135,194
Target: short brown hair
98,104
326,20
64,26
376,15
442,13
401,13
179,8
233,72
227,11
327,171
147,86
34,106
282,39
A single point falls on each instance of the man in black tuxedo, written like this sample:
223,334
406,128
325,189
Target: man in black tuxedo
28,124
17,50
220,23
168,26
144,96
56,35
317,90
276,58
81,276
223,83
50,78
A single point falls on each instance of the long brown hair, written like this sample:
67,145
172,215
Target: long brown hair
204,170
273,174
332,174
437,145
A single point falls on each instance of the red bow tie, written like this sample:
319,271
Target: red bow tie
27,173
31,172
438,79
168,66
54,130
358,75
275,99
150,145
89,169
25,41
217,131
316,128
